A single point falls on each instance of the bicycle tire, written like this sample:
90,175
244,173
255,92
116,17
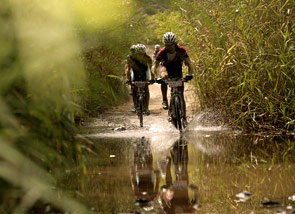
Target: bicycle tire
171,112
177,113
140,112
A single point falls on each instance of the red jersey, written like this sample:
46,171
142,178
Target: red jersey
174,67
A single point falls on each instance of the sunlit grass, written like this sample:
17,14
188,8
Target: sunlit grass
243,54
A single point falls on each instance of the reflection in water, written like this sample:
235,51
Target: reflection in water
174,195
220,165
144,179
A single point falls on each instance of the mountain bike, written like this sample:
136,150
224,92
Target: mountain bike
140,99
176,107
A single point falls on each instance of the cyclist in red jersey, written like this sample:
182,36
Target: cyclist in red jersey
171,57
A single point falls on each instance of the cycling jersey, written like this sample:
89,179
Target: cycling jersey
140,67
174,67
155,52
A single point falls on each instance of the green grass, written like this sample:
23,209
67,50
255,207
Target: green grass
243,54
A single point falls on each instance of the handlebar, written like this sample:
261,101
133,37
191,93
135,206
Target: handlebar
148,82
160,81
184,79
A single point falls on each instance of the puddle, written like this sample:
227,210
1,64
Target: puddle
154,169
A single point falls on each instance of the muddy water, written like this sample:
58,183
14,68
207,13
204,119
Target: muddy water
203,170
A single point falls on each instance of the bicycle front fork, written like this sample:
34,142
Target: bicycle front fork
171,111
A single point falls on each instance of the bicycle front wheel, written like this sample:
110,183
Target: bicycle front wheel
140,112
177,119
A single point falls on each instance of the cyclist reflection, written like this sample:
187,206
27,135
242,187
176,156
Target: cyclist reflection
144,179
174,196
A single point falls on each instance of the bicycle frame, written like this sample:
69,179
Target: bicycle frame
176,108
140,108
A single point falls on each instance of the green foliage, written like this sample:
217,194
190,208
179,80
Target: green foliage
43,87
244,58
104,54
105,83
57,62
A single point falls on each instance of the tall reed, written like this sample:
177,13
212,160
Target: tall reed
244,57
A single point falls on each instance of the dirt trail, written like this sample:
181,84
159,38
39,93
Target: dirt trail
122,115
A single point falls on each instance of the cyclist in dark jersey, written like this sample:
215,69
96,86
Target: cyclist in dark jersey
157,49
138,69
171,58
132,52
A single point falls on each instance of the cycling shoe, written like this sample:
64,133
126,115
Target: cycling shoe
147,112
165,105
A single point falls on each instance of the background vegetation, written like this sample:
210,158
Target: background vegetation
243,52
61,61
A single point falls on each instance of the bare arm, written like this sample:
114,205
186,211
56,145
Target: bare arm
128,71
150,64
155,67
189,64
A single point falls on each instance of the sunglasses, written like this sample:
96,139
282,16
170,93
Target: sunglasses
169,44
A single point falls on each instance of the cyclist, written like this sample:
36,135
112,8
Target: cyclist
132,52
157,49
171,58
139,63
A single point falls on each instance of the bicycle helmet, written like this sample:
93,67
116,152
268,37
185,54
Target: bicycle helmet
157,47
169,37
140,48
133,48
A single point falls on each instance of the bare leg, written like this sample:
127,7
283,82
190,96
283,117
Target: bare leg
134,96
147,97
164,91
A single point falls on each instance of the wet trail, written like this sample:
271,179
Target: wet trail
156,122
207,169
